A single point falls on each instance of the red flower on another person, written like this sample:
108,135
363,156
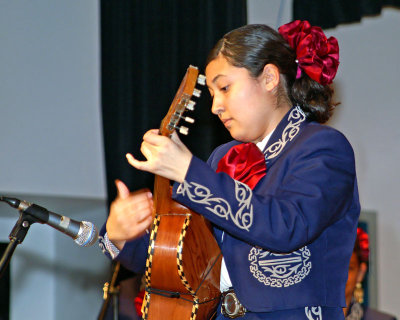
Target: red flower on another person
363,244
138,302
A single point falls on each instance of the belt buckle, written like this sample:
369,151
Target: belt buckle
231,306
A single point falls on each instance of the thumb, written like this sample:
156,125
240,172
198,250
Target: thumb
175,138
122,189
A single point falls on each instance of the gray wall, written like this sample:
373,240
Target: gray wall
367,85
50,123
51,152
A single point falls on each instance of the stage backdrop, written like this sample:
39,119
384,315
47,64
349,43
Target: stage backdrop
145,51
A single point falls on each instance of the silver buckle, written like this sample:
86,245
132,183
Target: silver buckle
231,306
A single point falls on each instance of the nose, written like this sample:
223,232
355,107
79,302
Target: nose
217,106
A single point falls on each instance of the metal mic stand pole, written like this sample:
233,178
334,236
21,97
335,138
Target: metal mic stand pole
16,237
111,291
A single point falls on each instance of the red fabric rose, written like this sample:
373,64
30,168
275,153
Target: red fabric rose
317,56
363,244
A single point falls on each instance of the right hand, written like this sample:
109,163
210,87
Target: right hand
130,215
165,156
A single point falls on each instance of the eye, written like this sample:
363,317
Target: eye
224,89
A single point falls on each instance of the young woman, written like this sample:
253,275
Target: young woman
282,196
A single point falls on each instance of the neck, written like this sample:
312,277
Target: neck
275,119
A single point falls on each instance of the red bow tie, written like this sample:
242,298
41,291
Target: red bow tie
245,163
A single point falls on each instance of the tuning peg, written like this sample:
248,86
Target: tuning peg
188,119
182,129
190,105
197,93
201,80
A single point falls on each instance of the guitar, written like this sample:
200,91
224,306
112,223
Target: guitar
184,260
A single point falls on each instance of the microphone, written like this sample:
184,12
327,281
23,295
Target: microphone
84,233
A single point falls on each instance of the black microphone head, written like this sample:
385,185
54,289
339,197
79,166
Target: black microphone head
87,235
13,202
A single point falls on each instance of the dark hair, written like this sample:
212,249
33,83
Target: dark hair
255,45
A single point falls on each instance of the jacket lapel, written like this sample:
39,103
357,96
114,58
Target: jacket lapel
284,134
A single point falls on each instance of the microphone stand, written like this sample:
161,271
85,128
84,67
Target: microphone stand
111,291
17,235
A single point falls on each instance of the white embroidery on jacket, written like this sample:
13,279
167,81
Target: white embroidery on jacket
107,246
295,118
279,270
102,245
242,218
313,313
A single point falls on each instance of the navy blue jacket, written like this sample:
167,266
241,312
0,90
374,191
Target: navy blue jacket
287,243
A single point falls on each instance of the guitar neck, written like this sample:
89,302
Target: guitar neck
162,194
181,103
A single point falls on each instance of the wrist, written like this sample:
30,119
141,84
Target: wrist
119,244
110,246
184,169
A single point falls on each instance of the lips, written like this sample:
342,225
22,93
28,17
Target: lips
227,121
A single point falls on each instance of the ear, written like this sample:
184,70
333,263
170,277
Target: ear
271,76
361,272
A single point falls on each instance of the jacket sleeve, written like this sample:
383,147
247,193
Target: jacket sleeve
132,256
313,187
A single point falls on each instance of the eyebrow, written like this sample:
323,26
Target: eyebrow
217,77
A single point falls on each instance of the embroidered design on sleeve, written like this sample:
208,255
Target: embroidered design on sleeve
296,117
313,313
280,270
242,218
102,245
107,246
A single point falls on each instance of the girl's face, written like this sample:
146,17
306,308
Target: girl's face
244,104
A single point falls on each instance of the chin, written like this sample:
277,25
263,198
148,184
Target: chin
240,137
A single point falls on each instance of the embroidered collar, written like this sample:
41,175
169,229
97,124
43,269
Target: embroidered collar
287,129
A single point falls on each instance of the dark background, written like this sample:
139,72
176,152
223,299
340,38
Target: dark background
146,47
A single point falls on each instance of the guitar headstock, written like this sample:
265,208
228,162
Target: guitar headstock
182,102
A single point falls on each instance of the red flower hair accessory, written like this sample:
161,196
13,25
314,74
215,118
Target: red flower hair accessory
363,245
316,55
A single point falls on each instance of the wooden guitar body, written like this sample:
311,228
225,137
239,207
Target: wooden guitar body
183,276
184,260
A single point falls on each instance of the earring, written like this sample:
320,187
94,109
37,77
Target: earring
359,293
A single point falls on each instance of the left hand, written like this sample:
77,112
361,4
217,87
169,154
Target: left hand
166,157
130,215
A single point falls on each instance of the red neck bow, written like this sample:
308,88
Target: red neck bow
245,163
